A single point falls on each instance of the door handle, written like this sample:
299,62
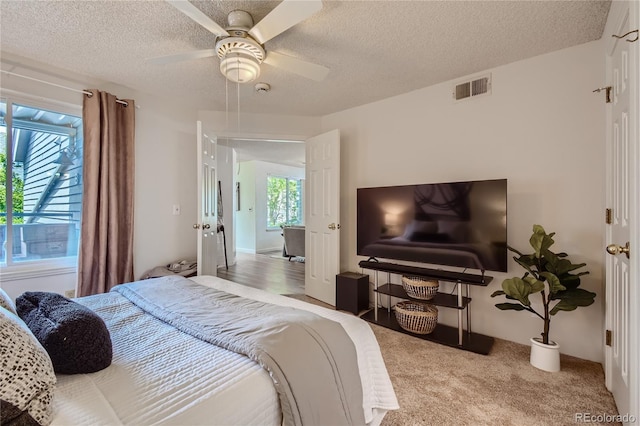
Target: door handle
614,249
333,226
204,226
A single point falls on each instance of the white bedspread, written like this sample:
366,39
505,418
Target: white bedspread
378,393
169,378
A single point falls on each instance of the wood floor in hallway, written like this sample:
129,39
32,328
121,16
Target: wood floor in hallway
267,272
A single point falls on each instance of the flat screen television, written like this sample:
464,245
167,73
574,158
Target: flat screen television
461,224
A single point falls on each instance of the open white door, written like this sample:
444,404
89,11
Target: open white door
623,164
322,216
207,202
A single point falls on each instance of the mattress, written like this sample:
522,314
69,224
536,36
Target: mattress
162,376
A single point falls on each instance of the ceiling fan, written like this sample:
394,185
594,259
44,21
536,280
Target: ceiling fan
240,45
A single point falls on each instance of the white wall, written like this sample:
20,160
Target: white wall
245,230
542,128
261,126
165,175
165,161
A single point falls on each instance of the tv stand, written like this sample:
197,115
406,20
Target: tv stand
459,337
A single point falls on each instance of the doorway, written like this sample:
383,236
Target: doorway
266,180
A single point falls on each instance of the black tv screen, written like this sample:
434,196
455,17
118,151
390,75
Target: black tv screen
462,224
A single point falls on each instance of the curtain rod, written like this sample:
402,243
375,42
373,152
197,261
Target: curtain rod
86,92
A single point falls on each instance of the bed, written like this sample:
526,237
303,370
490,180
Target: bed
162,374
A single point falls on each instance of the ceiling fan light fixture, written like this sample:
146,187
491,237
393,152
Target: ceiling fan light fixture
240,68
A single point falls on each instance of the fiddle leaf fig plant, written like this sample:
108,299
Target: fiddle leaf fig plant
548,273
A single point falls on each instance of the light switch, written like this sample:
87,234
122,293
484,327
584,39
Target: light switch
176,209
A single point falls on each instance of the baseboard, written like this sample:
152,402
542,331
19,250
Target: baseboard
244,250
268,250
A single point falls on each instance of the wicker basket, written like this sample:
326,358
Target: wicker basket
420,288
416,317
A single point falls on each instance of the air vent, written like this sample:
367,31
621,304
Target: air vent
472,88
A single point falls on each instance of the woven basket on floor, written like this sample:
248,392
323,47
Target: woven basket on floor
416,317
420,287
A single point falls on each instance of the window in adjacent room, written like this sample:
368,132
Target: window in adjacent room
284,201
40,183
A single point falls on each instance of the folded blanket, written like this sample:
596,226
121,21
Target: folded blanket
75,337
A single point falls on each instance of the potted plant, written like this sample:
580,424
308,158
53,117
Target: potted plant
552,275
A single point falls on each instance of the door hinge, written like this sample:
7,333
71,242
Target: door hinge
607,337
608,216
607,90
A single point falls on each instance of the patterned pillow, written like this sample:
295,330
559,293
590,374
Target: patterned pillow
6,302
27,374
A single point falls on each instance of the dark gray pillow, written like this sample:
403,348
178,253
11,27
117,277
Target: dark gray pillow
75,337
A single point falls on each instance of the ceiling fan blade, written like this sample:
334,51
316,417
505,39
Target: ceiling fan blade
197,15
186,56
284,16
297,66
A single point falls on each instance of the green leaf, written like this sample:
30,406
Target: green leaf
564,266
510,307
526,259
572,299
580,296
540,241
536,285
514,250
562,306
554,283
528,262
518,289
497,293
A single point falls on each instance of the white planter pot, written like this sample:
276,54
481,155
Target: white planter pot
545,357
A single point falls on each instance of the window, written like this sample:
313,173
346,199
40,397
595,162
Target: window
284,201
40,183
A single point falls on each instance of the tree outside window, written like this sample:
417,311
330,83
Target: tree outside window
284,202
17,185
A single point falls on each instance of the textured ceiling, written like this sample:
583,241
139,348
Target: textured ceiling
374,49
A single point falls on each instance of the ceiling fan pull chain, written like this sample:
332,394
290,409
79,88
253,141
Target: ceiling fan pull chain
238,91
226,102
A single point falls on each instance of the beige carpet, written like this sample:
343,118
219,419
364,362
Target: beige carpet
439,385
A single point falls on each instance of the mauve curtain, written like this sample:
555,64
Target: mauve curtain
106,237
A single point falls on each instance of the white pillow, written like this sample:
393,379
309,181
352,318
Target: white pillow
28,380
